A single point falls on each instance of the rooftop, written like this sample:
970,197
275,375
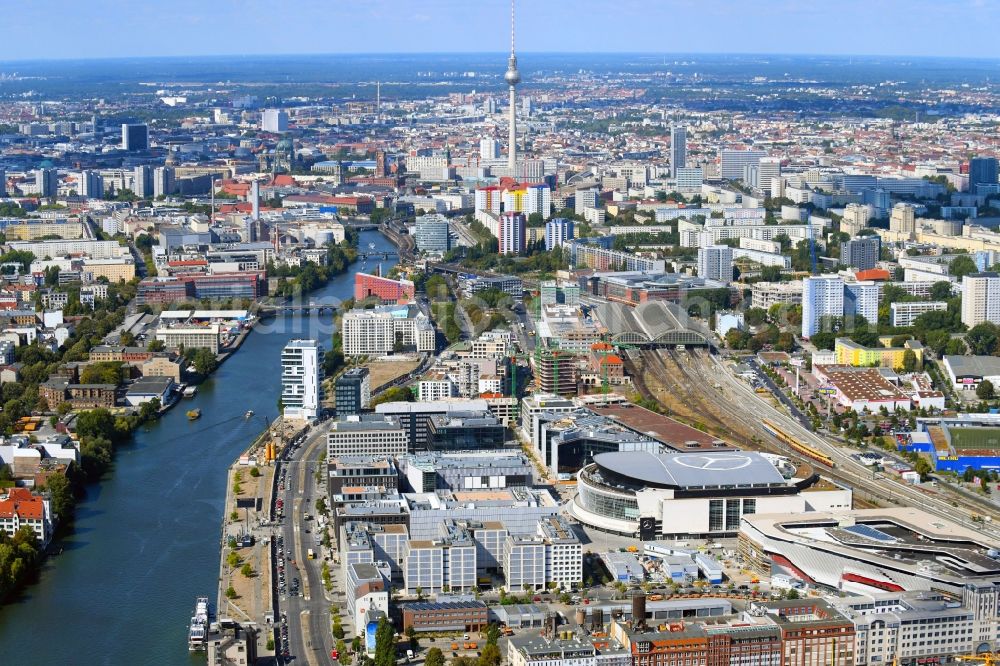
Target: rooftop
689,470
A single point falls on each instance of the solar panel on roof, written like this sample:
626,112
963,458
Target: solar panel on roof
869,533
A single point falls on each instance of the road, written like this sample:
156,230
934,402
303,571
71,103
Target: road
309,638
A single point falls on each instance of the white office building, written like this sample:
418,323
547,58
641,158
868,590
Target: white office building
861,298
558,231
367,435
585,198
905,313
301,375
443,564
822,296
768,169
734,162
980,298
383,330
715,262
489,148
274,121
689,178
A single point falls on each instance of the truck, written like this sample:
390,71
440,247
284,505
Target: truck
409,655
310,554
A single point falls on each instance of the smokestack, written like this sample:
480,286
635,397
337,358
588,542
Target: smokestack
596,619
255,199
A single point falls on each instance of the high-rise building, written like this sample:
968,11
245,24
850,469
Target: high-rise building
255,200
861,253
135,137
46,182
301,372
352,392
855,218
3,183
768,169
903,219
142,182
822,296
526,107
91,185
982,171
512,77
558,231
980,298
861,299
529,199
163,181
715,262
432,233
511,233
584,199
489,148
689,178
274,121
678,148
733,162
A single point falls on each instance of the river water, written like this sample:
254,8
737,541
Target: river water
147,538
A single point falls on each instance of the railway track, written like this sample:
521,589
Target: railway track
692,376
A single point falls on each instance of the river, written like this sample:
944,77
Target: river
147,538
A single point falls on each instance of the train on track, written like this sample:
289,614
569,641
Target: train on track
799,447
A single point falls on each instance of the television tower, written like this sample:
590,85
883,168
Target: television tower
512,77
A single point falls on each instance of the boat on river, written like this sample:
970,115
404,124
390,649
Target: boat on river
198,631
194,414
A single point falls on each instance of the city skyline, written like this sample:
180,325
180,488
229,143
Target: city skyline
192,29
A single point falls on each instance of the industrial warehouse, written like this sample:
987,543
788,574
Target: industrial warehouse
703,494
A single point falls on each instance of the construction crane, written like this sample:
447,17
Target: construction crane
987,658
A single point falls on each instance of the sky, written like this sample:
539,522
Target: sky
59,29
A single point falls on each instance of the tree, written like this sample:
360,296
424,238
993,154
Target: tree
492,634
923,468
411,635
434,657
149,410
62,496
961,266
755,316
156,346
985,390
941,290
104,372
385,644
909,360
247,570
203,360
982,338
490,656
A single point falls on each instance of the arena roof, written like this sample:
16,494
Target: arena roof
692,470
656,322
